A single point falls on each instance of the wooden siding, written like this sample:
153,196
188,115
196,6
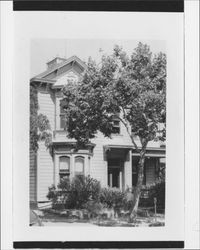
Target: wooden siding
46,101
32,176
45,175
98,166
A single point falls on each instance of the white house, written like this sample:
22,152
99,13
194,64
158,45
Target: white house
111,161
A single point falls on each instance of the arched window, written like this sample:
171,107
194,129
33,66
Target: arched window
64,166
79,165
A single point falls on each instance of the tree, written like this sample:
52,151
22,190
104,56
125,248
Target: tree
131,88
39,123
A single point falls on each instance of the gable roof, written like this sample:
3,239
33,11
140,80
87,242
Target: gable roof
60,65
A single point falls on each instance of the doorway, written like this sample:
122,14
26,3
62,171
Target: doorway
115,173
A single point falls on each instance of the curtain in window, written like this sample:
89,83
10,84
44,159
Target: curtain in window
64,167
64,163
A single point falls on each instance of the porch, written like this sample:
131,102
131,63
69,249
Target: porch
122,166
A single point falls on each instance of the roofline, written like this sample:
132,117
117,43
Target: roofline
59,143
154,149
119,146
70,59
57,57
37,79
132,147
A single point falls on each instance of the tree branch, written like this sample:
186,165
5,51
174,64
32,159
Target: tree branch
130,135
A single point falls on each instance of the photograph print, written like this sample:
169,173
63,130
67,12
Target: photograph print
97,133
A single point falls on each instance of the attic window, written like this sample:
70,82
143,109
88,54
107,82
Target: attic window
116,125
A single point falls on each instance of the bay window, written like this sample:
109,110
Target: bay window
64,167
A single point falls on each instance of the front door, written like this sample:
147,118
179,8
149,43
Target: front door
114,177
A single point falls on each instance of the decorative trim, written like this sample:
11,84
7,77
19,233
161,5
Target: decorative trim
42,80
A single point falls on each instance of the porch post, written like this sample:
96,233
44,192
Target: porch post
128,170
86,167
56,170
110,176
72,166
120,180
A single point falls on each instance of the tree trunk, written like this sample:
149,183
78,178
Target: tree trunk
139,184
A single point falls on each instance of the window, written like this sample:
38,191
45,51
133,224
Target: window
62,118
116,125
64,167
79,165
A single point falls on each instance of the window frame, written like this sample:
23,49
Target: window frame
76,173
66,173
61,116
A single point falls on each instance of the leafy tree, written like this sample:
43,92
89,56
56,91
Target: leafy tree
39,123
131,88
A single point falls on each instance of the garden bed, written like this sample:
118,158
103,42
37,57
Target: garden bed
71,216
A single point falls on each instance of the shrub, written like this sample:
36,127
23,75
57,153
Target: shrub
93,207
129,199
154,191
75,193
52,194
82,189
112,198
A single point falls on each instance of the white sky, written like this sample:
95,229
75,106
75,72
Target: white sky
43,50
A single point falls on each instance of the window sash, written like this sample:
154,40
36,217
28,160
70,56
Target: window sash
79,165
62,117
64,163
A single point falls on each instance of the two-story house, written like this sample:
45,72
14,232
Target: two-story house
112,161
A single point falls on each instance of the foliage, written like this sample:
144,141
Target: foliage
155,191
161,173
112,197
75,193
82,189
39,123
131,88
136,86
93,207
52,194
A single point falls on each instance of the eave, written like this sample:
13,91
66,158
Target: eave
72,143
42,80
118,146
152,152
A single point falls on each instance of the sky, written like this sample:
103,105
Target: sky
44,50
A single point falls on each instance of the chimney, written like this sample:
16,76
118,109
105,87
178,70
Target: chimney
54,62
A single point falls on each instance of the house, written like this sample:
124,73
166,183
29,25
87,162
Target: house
112,161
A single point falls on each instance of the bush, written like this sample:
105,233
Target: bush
82,190
112,198
75,193
93,207
154,191
52,194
